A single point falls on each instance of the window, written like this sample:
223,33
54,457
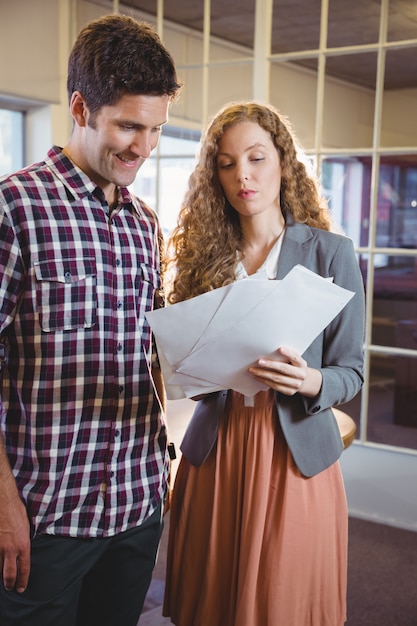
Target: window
348,82
162,180
389,266
11,141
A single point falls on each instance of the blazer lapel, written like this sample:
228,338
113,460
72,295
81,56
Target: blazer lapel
295,249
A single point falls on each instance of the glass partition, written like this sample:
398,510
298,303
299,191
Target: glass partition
11,141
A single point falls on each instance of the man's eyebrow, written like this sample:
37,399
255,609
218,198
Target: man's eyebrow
128,122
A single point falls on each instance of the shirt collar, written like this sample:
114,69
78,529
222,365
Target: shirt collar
77,182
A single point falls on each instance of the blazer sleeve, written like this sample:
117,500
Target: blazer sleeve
309,424
341,363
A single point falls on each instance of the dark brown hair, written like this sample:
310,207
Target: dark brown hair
116,55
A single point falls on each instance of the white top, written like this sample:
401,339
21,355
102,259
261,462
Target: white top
269,266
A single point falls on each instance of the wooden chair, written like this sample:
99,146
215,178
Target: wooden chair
346,425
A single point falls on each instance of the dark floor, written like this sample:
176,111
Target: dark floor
382,568
382,577
152,611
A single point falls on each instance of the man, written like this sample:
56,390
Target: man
83,444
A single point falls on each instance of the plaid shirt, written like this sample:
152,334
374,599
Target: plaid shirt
81,423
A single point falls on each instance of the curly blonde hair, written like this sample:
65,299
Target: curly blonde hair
204,244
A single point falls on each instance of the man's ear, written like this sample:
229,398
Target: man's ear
78,109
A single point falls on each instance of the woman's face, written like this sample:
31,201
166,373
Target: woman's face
249,169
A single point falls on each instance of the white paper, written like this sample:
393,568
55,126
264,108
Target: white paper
208,343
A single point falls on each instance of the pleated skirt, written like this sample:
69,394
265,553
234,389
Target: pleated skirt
251,541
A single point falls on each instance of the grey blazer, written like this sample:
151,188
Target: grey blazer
308,424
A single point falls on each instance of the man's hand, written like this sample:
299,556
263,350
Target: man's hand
14,531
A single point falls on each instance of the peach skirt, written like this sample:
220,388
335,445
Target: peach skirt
251,541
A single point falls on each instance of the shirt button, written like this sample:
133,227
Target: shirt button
118,262
117,433
67,277
119,304
121,388
119,347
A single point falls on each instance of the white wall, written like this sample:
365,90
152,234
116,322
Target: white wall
381,485
29,49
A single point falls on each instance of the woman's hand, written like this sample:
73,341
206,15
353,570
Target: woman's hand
288,374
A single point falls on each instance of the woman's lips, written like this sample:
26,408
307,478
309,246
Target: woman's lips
245,194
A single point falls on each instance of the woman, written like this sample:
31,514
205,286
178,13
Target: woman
258,527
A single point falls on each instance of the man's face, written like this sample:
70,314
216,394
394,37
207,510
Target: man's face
117,139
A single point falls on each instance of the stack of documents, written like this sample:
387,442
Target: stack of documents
207,343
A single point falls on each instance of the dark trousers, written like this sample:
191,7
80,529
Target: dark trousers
86,582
